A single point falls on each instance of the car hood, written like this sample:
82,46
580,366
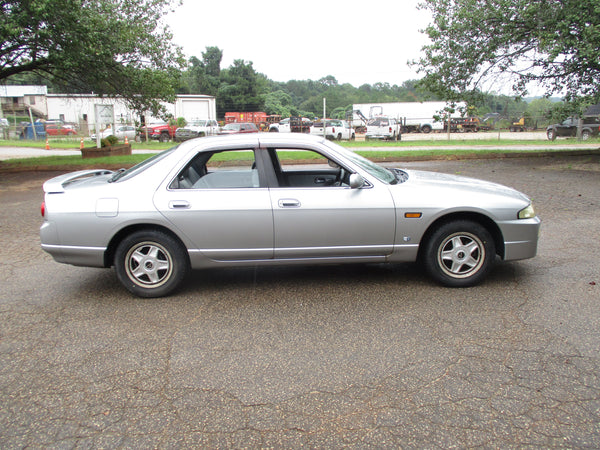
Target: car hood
443,185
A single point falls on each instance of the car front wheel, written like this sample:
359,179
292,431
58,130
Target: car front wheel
551,135
459,254
151,263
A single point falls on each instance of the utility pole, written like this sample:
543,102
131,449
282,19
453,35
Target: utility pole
324,116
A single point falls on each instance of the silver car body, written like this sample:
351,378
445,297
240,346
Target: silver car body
120,132
254,218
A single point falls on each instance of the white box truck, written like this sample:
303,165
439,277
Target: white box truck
413,116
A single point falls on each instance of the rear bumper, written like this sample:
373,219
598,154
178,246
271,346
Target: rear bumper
69,254
76,256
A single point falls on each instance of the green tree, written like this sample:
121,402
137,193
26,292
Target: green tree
279,102
481,44
240,89
110,47
203,76
211,59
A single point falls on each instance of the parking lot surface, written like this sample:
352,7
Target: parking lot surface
365,356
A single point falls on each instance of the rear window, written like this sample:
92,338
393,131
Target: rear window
138,168
378,122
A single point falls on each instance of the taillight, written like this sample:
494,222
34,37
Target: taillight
333,130
43,209
390,129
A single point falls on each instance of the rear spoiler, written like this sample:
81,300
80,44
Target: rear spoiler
56,185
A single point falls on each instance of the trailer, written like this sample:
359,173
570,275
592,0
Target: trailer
418,117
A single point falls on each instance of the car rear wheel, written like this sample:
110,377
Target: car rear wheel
459,253
151,263
585,135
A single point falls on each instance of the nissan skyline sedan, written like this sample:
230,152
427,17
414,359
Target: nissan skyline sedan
275,198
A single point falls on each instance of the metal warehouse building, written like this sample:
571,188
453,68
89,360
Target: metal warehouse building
79,108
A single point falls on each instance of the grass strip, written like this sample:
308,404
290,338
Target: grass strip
75,162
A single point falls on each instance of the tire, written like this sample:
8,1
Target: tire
459,254
151,263
551,134
164,137
585,135
426,129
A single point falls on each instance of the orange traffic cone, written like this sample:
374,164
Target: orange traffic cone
126,141
81,144
47,144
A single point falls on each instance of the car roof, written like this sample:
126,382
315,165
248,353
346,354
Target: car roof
252,140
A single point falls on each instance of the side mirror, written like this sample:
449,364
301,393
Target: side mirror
356,181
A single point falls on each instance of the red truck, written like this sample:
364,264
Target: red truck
160,131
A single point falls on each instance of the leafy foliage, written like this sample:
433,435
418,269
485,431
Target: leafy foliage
110,47
480,45
240,89
108,141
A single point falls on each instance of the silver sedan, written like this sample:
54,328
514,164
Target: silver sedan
274,198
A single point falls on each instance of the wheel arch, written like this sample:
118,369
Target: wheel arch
479,218
109,254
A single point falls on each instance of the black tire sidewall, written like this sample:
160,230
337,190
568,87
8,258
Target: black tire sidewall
430,260
177,253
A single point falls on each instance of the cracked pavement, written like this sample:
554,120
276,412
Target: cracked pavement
365,356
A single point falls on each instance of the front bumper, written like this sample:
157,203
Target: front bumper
521,238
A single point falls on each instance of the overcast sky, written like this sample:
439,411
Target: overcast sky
355,41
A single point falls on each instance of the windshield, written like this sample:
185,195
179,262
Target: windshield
138,168
381,173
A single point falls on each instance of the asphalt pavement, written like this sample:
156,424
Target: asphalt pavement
365,356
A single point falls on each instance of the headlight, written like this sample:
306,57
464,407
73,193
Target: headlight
527,213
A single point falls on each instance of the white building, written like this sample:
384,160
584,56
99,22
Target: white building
79,109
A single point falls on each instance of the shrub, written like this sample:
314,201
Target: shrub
108,141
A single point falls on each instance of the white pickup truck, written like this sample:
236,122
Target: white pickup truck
334,129
291,125
386,128
197,128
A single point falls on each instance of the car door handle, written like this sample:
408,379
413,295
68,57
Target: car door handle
289,203
179,204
